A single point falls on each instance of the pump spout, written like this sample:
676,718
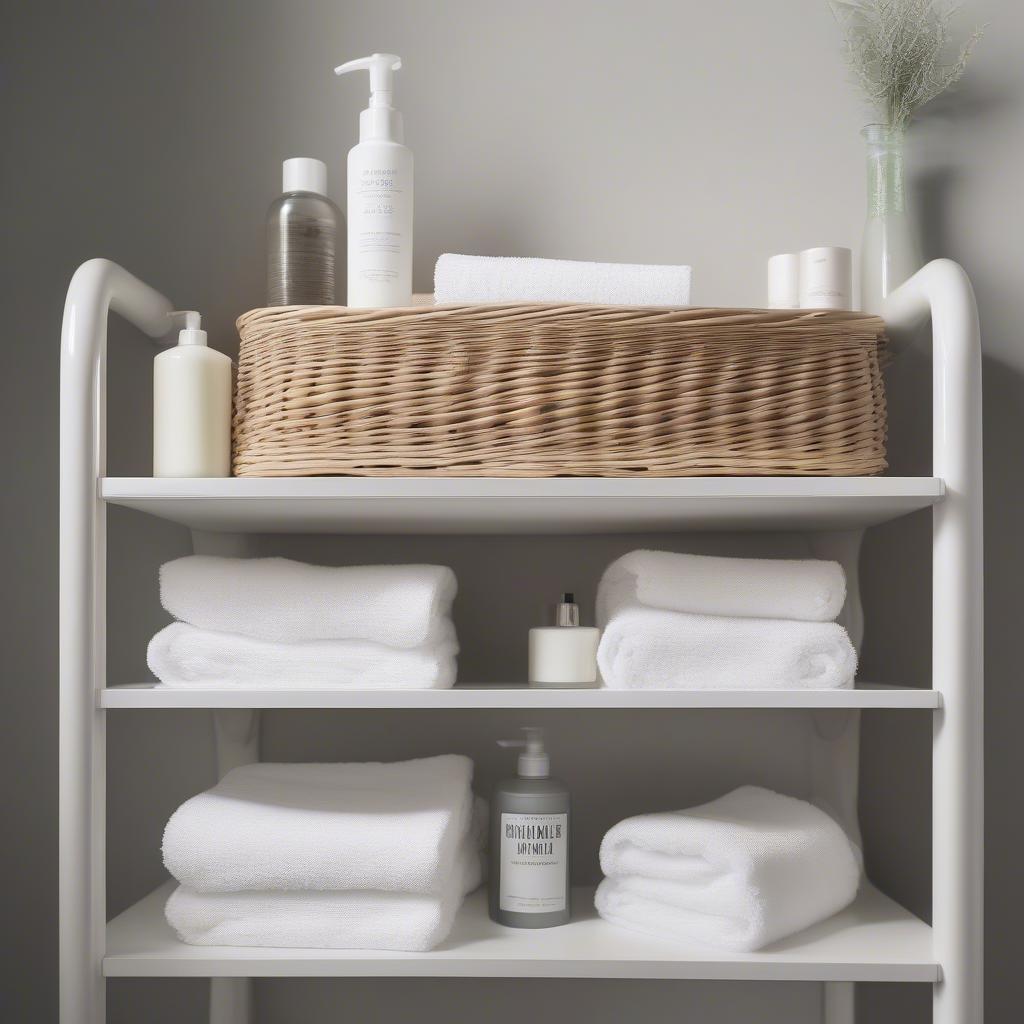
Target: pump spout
534,762
380,120
381,66
187,319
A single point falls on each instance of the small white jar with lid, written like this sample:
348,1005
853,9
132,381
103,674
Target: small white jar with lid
564,654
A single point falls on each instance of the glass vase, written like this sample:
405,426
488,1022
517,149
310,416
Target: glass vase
889,253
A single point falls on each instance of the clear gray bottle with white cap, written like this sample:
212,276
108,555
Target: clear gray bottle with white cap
302,238
530,842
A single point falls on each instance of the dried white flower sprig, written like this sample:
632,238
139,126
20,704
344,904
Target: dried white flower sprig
897,50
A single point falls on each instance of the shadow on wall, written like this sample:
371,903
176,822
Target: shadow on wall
1004,696
981,111
933,178
978,113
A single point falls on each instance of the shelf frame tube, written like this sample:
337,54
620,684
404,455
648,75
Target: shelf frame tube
942,292
96,288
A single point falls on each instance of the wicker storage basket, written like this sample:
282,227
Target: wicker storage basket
558,390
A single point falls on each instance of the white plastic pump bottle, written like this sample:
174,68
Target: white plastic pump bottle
191,406
380,193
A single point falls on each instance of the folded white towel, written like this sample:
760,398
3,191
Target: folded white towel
348,919
352,919
278,599
498,279
183,655
768,588
650,649
394,827
737,873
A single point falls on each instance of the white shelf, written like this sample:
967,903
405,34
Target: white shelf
485,505
153,695
873,940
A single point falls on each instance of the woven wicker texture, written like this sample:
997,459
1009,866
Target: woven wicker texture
558,390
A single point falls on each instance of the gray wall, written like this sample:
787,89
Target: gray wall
714,134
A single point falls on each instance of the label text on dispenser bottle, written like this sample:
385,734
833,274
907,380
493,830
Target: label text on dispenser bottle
533,862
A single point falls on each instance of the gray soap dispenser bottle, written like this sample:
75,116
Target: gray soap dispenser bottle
530,842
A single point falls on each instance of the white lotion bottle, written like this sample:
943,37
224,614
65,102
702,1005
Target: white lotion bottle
191,406
380,195
565,654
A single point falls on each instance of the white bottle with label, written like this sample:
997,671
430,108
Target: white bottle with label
530,842
191,406
380,195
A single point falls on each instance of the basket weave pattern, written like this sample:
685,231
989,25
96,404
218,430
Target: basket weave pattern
558,390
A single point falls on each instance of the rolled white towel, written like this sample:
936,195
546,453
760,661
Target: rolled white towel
737,873
807,589
393,827
650,649
278,599
183,655
496,279
347,919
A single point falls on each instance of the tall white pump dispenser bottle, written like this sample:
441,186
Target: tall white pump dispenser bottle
380,192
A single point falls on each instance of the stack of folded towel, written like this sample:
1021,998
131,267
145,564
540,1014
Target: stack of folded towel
274,622
738,873
494,279
698,622
343,856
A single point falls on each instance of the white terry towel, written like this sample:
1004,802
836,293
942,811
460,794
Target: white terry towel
348,919
737,873
487,279
394,827
650,649
183,655
278,599
808,589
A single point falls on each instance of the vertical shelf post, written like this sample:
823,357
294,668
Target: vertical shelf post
237,737
97,287
942,290
237,733
835,742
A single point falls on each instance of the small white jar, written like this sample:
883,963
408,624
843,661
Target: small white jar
826,278
565,654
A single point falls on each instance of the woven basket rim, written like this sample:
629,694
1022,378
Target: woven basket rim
738,315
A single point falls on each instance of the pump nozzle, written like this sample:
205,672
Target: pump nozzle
189,321
380,66
534,762
380,120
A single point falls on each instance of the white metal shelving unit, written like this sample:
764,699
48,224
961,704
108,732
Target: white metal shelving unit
873,940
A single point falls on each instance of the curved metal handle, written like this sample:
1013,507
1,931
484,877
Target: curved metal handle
96,288
942,291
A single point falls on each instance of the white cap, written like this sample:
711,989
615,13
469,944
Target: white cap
190,334
380,120
534,762
304,174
